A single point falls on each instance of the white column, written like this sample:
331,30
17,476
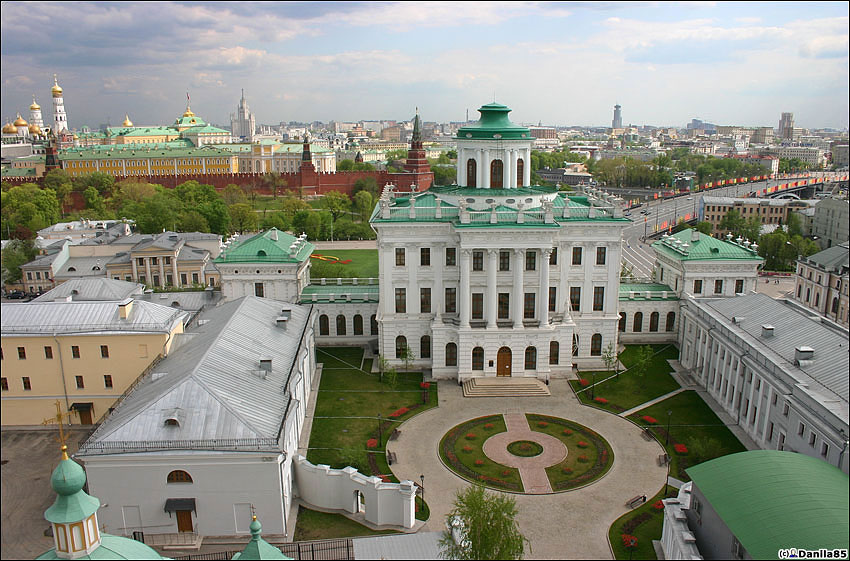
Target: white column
464,295
174,271
135,270
461,167
512,157
161,261
386,287
492,304
526,167
486,170
438,261
561,304
518,293
413,295
148,279
543,306
479,168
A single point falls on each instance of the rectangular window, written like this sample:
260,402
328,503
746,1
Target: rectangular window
399,257
813,438
824,449
107,381
530,260
504,305
75,351
451,300
168,260
801,429
104,351
26,382
575,298
770,433
154,261
528,308
195,278
80,384
576,256
504,260
425,256
553,257
140,261
477,305
600,255
424,300
48,352
451,257
22,353
477,260
183,279
401,300
718,286
739,286
697,287
553,298
4,384
785,409
598,298
259,289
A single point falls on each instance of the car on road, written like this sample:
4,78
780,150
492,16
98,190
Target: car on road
16,295
644,211
627,213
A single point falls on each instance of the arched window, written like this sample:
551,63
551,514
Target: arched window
531,358
638,323
653,321
575,344
261,253
400,346
451,354
425,346
340,324
554,350
621,327
471,172
358,324
520,171
497,169
324,325
373,325
671,321
596,345
478,358
179,476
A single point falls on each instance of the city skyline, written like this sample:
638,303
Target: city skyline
559,63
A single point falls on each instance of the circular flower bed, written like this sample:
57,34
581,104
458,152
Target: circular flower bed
525,448
465,456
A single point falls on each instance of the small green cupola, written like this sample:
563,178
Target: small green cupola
494,124
73,514
258,548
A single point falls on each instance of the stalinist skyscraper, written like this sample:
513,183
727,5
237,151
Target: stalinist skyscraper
617,121
242,124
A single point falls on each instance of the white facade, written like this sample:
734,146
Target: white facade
60,119
283,158
278,281
513,154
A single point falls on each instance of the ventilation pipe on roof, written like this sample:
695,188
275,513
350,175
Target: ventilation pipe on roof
694,235
767,330
803,355
273,234
124,308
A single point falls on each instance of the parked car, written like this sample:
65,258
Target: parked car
16,295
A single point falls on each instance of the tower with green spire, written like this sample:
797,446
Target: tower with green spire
258,548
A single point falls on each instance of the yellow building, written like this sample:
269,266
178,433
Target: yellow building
84,354
168,260
147,160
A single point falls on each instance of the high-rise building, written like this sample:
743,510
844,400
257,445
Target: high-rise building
60,119
242,124
786,126
617,122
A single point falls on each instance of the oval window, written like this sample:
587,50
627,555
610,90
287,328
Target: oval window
510,201
470,200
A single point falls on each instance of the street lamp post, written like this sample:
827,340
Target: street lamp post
667,440
422,486
380,434
593,386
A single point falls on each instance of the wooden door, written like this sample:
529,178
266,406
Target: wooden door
85,416
184,521
503,362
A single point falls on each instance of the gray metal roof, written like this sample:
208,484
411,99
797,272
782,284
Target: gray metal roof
792,328
832,259
83,267
188,300
97,289
421,545
35,318
210,383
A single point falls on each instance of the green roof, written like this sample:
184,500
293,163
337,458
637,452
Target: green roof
701,247
258,548
205,129
18,172
141,131
640,290
271,246
494,123
193,121
771,500
141,151
113,547
72,504
324,292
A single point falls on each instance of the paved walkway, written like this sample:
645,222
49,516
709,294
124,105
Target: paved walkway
532,470
570,525
651,402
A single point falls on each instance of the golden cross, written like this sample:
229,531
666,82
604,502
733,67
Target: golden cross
59,419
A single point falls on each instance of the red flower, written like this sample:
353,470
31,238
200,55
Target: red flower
659,505
650,420
467,448
542,424
488,426
582,444
479,462
471,436
582,458
629,540
568,432
425,385
600,400
584,382
680,448
385,479
399,412
372,443
567,471
506,472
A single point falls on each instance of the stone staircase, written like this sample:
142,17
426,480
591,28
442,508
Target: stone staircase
505,387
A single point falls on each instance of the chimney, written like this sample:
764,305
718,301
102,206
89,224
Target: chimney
767,330
803,353
694,235
273,234
124,308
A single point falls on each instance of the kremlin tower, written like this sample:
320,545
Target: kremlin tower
36,120
60,119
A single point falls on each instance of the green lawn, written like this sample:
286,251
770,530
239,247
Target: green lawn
314,525
645,523
462,449
364,262
628,390
693,424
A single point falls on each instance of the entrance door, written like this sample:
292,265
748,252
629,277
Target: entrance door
184,521
85,416
503,362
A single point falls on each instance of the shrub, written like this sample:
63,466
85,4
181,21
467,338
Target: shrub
582,459
467,449
399,412
567,471
542,424
479,462
650,420
680,448
568,432
470,436
629,541
584,382
600,400
372,443
582,444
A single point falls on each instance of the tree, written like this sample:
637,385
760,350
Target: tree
406,355
56,177
704,227
232,194
363,204
444,174
609,356
794,225
733,222
160,212
336,203
275,220
383,366
290,205
102,182
94,201
366,184
131,191
193,221
242,217
29,206
217,215
643,358
17,253
391,377
751,229
274,182
486,527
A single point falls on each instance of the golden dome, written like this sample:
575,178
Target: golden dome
35,106
20,122
188,112
127,122
9,128
35,130
56,89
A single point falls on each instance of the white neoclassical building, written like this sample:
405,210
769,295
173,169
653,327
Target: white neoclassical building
495,276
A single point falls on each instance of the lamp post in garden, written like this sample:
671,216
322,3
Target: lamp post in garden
593,386
422,486
667,440
379,431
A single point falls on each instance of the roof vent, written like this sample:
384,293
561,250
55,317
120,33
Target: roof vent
174,417
767,330
803,355
266,364
694,236
273,234
737,320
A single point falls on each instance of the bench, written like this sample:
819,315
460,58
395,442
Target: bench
636,501
392,458
395,434
663,459
646,435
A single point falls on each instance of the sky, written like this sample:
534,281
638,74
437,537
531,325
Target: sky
560,63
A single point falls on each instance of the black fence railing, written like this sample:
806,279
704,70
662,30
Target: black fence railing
321,550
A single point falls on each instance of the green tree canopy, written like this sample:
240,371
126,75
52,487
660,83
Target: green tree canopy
232,194
243,218
29,206
104,183
363,203
336,203
366,184
15,254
